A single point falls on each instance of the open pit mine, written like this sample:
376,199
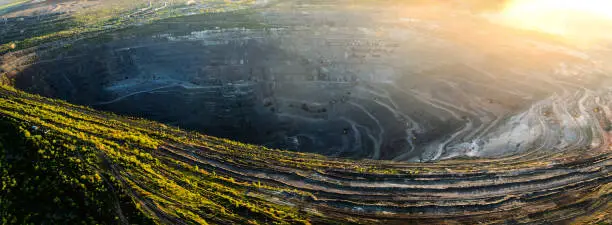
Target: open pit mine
304,112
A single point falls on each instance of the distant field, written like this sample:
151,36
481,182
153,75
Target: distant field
79,18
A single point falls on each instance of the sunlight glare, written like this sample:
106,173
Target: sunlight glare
572,18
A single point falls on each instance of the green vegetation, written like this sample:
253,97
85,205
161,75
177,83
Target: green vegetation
102,169
11,4
113,16
56,181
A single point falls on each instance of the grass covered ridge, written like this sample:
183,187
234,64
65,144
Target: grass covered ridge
67,164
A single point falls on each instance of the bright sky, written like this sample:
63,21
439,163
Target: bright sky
583,18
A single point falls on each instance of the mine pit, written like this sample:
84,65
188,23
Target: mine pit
349,88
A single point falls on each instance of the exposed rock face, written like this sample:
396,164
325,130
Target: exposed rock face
351,81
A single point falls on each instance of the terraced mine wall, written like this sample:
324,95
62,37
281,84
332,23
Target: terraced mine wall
175,176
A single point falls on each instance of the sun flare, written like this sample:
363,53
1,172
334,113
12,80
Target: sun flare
584,18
